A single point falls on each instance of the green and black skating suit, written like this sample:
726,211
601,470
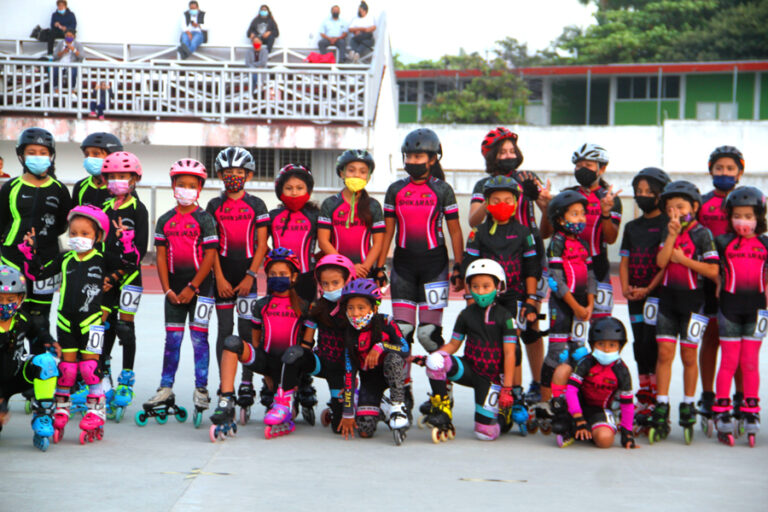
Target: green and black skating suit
86,191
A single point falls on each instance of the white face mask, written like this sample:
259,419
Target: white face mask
185,196
605,358
80,244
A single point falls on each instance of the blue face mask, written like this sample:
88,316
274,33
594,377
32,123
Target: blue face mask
278,284
61,11
8,310
333,296
574,227
723,182
263,14
93,165
37,164
605,358
193,12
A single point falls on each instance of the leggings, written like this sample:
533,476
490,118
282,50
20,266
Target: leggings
644,345
175,318
739,348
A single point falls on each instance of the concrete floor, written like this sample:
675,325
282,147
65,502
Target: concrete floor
176,467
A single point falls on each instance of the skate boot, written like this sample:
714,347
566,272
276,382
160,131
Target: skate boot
266,396
562,422
78,398
223,419
61,416
29,395
520,410
750,413
160,406
331,415
643,408
659,423
533,395
92,424
307,399
245,396
123,395
440,419
542,419
202,402
397,420
738,401
705,411
42,423
687,420
278,420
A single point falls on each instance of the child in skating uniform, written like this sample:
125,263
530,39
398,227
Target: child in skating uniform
640,278
571,304
687,256
86,271
278,321
242,220
186,242
726,167
122,171
93,189
20,371
351,222
592,386
377,351
488,363
743,258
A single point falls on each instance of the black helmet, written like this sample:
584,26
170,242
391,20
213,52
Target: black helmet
726,151
293,171
234,156
746,196
680,188
38,136
354,155
608,329
561,202
501,183
103,140
422,140
651,173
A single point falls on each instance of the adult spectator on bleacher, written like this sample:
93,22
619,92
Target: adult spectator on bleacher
67,50
257,59
362,29
333,32
61,20
263,28
3,174
192,35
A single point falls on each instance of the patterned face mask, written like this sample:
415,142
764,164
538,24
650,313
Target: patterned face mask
233,183
8,310
360,323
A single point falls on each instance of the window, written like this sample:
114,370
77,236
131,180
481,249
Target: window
536,86
428,91
647,87
407,91
295,156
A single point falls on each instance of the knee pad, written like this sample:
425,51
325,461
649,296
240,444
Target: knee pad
68,374
46,366
487,432
89,370
547,372
554,353
430,336
407,331
234,344
366,423
126,332
438,365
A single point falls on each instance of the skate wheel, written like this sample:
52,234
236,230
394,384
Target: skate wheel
308,413
162,418
399,437
119,413
83,437
41,443
688,435
232,430
99,434
546,430
267,432
653,436
325,417
752,438
212,433
111,413
198,418
141,418
451,434
435,436
560,441
245,415
57,435
740,429
421,422
181,414
28,407
533,427
523,430
730,440
708,426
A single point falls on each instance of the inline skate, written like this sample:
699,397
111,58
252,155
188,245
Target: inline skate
79,397
122,396
202,402
331,415
279,420
643,410
223,419
705,411
160,406
542,419
306,398
42,423
394,414
687,420
738,402
659,423
515,415
440,419
562,422
92,424
750,413
245,398
61,416
266,396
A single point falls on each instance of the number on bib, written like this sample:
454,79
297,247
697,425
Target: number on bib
436,294
604,298
95,339
244,305
542,286
696,327
579,330
492,399
47,286
203,310
130,296
650,310
761,327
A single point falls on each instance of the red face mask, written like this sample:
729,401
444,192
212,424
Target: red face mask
501,212
294,203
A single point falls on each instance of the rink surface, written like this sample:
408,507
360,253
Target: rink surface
176,467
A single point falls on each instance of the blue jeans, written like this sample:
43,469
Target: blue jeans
197,40
70,75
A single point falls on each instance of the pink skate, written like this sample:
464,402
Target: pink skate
279,420
92,424
61,416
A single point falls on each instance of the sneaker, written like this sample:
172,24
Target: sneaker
101,118
92,114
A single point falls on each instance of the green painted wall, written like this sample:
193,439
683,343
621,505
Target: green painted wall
407,113
718,88
644,112
764,96
569,101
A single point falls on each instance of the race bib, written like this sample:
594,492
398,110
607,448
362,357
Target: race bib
610,418
650,310
542,286
203,310
436,294
492,399
95,339
243,306
521,321
47,286
604,298
696,327
579,330
761,327
130,296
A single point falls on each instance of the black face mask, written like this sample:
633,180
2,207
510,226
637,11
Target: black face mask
335,15
646,204
507,165
586,177
416,171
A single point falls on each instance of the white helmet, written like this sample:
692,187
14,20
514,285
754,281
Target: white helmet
590,152
485,266
234,156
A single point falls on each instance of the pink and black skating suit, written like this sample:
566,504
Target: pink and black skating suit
591,389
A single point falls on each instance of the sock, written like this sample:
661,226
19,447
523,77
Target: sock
558,390
689,399
662,399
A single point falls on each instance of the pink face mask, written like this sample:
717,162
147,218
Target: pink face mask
744,227
186,196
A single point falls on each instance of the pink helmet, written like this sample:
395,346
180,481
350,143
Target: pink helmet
189,167
91,212
121,161
336,260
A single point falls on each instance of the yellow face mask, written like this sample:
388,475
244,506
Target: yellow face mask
355,184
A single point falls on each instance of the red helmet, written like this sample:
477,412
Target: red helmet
91,212
121,161
495,136
189,167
